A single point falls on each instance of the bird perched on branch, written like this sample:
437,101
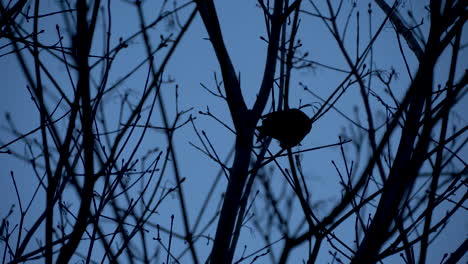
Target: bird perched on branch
289,127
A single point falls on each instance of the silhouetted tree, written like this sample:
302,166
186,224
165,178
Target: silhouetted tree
101,179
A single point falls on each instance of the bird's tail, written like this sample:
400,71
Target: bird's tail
261,133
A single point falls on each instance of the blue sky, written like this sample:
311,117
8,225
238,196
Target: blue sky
194,63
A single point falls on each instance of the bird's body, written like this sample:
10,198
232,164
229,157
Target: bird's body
289,127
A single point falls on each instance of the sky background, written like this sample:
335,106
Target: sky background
193,63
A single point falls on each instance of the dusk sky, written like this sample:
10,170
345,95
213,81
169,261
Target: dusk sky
193,66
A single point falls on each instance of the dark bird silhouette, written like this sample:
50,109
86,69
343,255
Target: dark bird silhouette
289,127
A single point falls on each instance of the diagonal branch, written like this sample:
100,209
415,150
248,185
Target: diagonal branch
401,28
234,96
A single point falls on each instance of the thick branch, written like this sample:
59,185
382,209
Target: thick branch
401,28
234,96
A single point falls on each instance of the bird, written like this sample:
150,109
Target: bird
289,127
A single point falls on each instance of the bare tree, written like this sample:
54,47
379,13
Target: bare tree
102,180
